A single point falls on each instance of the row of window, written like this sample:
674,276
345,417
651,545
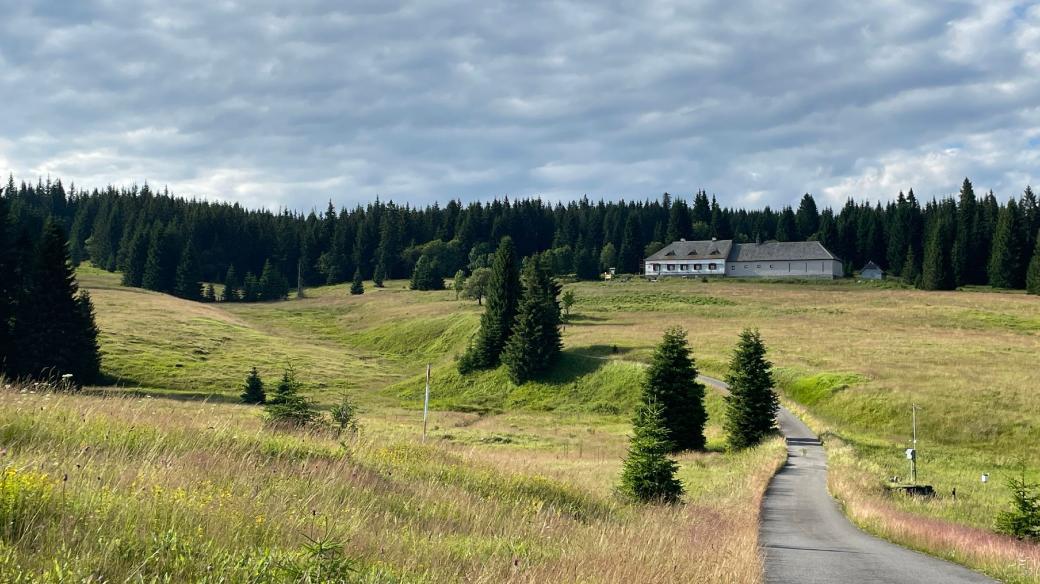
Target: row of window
684,267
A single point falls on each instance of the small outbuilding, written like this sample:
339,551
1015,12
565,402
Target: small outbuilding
872,271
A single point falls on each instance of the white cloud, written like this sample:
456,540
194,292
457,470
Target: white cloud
418,101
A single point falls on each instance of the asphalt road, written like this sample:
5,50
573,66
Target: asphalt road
807,539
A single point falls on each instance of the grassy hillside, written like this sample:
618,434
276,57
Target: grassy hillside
856,355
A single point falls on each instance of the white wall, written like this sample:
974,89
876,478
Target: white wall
785,269
685,268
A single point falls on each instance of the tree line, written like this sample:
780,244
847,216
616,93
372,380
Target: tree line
47,328
171,244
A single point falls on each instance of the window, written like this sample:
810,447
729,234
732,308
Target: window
711,267
758,266
670,267
657,267
770,266
697,267
684,267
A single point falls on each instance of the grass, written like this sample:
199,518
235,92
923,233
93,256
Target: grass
855,355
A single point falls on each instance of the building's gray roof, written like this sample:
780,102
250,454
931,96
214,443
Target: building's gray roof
780,251
871,266
694,250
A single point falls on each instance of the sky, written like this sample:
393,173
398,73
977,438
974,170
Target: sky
292,104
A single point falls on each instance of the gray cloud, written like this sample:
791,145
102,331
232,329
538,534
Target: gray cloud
417,101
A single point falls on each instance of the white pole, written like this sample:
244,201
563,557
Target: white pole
426,404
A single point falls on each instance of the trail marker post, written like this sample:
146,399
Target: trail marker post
426,404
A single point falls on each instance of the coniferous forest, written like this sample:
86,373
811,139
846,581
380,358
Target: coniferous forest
171,244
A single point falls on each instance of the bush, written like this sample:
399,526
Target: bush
344,415
253,391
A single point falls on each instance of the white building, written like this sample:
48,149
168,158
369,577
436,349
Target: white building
773,259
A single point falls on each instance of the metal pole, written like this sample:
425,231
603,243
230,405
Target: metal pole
913,461
426,404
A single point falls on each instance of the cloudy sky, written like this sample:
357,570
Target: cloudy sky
294,103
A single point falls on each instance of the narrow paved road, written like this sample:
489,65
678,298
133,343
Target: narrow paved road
807,539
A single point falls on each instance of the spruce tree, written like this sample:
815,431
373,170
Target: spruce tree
910,270
253,390
54,325
136,257
287,406
535,342
272,284
425,276
357,286
154,267
1003,261
630,255
189,280
964,255
458,283
378,275
807,218
1033,273
210,294
231,285
671,381
936,271
648,474
752,404
250,288
9,283
496,324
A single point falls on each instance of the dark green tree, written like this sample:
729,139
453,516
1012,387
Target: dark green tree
250,288
425,275
54,324
189,279
678,221
648,474
936,271
253,390
287,406
787,226
1004,259
9,283
671,381
378,275
965,258
231,286
160,265
752,404
357,285
272,284
1033,272
1023,519
808,218
535,342
630,255
136,257
496,324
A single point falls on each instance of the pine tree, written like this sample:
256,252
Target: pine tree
250,288
155,264
189,281
671,381
910,269
136,257
630,255
54,325
1033,273
286,406
807,218
1003,261
253,390
9,284
752,404
357,286
535,342
231,285
648,475
378,275
936,272
425,276
787,226
272,284
965,257
210,294
496,324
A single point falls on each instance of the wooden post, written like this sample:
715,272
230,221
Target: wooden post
426,404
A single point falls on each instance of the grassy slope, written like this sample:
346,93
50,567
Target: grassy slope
856,355
515,484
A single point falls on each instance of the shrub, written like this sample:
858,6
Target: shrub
344,414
